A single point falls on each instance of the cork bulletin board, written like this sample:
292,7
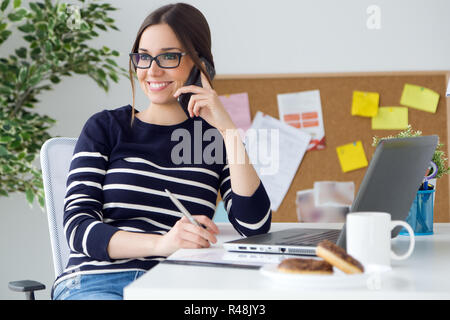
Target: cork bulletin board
336,91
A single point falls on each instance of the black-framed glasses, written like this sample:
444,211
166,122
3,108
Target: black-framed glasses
167,60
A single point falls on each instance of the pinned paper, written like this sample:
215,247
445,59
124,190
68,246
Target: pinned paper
334,193
276,162
238,108
365,104
448,89
307,211
303,110
352,156
419,98
390,118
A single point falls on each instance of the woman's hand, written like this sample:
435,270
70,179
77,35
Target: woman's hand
186,235
206,103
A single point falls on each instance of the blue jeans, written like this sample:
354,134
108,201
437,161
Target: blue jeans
103,286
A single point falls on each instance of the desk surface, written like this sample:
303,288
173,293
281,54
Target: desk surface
424,275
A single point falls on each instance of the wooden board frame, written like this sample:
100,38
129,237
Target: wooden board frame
341,127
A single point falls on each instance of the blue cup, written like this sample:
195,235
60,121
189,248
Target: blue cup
420,216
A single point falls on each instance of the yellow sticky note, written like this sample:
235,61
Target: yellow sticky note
390,118
352,156
419,98
365,103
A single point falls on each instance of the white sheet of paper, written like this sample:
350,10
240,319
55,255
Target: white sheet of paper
303,110
220,255
278,163
448,89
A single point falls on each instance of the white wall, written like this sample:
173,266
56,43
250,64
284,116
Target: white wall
249,36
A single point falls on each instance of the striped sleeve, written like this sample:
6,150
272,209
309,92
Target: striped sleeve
83,218
249,215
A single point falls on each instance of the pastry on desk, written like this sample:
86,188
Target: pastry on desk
338,257
305,266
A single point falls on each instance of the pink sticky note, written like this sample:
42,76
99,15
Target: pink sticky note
238,108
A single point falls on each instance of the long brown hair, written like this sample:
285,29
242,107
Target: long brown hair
190,27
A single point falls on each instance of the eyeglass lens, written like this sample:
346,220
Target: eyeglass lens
164,60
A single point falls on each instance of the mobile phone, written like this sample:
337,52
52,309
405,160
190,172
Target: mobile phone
194,79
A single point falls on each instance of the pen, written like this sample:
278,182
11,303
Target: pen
183,210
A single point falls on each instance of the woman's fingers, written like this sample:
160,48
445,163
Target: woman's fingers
187,89
192,236
199,235
192,101
208,223
197,105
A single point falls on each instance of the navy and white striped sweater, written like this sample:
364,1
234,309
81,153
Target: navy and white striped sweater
117,179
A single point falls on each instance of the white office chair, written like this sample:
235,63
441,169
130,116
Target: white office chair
56,155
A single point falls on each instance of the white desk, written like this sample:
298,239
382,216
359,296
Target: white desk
425,275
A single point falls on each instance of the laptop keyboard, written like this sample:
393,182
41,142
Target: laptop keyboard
310,239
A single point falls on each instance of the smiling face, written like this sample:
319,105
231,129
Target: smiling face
159,84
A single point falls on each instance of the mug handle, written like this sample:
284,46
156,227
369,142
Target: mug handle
412,240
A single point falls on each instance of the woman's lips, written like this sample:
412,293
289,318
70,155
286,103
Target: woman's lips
156,86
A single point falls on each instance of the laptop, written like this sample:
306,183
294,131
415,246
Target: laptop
390,184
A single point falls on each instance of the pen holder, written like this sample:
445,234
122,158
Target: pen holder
420,216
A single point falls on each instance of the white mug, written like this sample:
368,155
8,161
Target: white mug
369,238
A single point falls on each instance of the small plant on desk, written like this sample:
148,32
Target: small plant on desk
439,157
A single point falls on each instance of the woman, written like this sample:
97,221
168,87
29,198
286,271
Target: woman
118,220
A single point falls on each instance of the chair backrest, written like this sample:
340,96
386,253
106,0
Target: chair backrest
56,155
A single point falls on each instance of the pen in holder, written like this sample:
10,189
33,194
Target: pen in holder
420,216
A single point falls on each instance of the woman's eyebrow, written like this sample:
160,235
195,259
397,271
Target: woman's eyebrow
162,49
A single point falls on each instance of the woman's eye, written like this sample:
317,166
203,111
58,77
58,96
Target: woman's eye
144,56
169,56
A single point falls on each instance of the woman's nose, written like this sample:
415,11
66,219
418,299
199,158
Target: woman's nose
154,69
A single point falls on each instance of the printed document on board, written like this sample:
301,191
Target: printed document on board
303,110
276,150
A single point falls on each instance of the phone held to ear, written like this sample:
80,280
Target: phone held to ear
194,79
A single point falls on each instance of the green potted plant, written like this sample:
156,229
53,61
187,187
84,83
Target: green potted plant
421,213
56,36
439,157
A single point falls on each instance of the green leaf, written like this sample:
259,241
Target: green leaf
17,15
48,46
5,34
55,79
41,30
17,3
5,139
27,28
111,61
22,75
22,52
4,5
101,26
29,38
101,73
41,200
84,27
5,90
34,7
114,77
67,46
29,195
61,7
3,151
